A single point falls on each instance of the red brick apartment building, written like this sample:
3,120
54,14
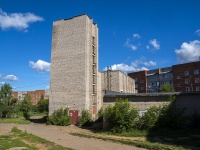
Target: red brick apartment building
35,95
181,77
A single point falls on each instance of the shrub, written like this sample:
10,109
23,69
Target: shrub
59,117
150,118
85,118
121,116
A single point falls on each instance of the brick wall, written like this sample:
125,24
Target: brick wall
190,101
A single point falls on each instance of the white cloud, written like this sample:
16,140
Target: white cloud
188,52
2,83
129,45
135,66
150,63
137,36
40,66
18,21
47,87
126,68
198,32
147,47
155,43
9,77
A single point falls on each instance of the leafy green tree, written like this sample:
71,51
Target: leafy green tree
43,105
26,106
8,105
166,88
121,117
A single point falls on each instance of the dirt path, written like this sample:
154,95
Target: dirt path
61,136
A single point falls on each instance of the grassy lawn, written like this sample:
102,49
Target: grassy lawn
17,138
15,120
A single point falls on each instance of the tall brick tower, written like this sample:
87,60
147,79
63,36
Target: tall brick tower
74,64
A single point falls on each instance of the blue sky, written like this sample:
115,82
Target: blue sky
133,35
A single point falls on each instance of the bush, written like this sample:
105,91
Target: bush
100,115
121,117
150,118
84,119
59,117
170,116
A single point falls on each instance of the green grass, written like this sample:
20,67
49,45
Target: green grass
143,144
17,138
132,133
15,120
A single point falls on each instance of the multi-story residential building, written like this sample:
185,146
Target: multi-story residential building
181,77
35,95
75,81
187,77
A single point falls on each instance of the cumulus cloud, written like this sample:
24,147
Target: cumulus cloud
154,43
2,83
137,36
150,63
40,66
9,77
129,45
197,32
18,21
188,52
137,65
126,68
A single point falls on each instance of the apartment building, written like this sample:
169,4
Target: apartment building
187,77
181,77
35,95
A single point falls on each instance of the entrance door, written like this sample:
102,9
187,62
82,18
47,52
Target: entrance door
73,116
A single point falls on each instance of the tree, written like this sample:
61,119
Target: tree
8,105
43,105
166,88
26,106
121,117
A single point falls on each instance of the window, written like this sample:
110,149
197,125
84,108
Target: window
186,73
136,79
136,86
92,40
188,89
142,88
178,85
197,80
187,81
141,81
196,71
150,84
93,89
179,77
197,88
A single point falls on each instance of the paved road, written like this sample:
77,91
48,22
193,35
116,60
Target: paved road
62,137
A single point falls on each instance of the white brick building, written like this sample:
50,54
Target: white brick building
74,79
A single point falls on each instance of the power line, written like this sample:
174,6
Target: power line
31,85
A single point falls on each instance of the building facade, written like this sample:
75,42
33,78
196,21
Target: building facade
181,77
35,95
73,77
75,81
187,77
